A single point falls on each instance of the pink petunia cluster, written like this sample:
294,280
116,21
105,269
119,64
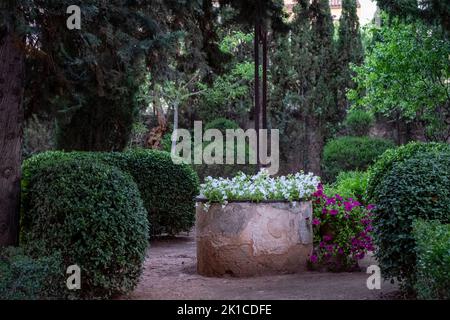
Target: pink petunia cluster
342,227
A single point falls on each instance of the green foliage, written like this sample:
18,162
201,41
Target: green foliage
351,153
167,189
349,184
231,43
418,187
349,50
430,11
433,259
222,124
93,215
266,11
303,95
90,78
225,170
358,122
387,161
230,94
23,277
404,76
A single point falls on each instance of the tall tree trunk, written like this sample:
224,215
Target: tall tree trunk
11,116
315,142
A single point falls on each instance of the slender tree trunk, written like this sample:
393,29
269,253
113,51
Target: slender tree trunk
315,142
11,116
175,127
257,88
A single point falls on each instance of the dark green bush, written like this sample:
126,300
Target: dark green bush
93,215
222,124
358,122
418,187
167,189
385,163
351,153
25,278
350,184
433,260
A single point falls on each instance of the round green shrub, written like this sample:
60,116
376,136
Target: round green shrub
93,215
222,124
351,153
358,122
418,187
167,189
387,160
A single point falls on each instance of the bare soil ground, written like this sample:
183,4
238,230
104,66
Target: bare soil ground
170,274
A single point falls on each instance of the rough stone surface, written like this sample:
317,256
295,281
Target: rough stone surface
250,239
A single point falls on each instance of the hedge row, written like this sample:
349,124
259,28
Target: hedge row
167,189
350,154
92,210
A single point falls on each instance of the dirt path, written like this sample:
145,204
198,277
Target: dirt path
170,273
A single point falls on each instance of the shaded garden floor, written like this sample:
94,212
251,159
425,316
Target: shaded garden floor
170,273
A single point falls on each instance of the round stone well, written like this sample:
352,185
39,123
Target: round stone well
249,239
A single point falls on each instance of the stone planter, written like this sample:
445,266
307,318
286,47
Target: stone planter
250,239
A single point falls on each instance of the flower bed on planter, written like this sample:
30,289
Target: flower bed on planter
260,187
342,232
253,225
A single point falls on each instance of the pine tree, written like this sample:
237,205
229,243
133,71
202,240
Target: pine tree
303,69
349,51
321,112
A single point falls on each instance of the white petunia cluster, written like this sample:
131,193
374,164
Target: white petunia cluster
262,186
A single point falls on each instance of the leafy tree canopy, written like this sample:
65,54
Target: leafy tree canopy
406,74
432,11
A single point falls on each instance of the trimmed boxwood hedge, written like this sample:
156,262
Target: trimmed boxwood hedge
351,154
167,189
418,187
433,259
93,216
387,160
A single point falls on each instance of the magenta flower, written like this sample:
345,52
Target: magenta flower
315,222
370,207
313,258
338,197
327,237
333,212
356,204
330,201
324,210
348,206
